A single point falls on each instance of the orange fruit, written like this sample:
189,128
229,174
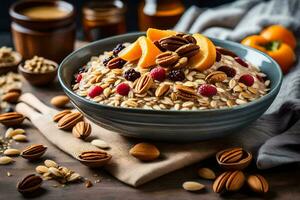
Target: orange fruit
132,52
149,52
156,34
279,33
206,56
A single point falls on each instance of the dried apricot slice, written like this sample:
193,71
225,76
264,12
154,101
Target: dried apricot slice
149,52
132,52
206,56
156,34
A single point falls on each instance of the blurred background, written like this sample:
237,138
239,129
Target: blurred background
134,12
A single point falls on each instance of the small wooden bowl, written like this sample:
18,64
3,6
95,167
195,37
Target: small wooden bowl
11,67
95,163
242,164
38,78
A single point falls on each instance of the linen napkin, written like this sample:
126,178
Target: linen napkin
125,167
237,20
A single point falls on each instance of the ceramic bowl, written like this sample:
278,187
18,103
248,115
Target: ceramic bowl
166,125
39,78
11,67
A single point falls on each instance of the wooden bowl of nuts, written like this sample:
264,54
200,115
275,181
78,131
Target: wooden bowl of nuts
39,71
9,60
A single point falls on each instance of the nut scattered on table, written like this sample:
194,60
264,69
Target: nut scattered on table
60,115
60,101
229,181
206,173
39,65
12,152
20,138
234,158
192,186
10,132
11,97
100,143
68,121
258,183
82,130
145,152
94,158
4,160
50,163
11,119
33,152
29,184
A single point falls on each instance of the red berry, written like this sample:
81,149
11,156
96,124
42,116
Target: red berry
95,91
78,78
123,89
247,79
158,73
241,62
207,90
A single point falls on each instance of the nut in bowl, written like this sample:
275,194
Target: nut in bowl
39,71
187,106
9,60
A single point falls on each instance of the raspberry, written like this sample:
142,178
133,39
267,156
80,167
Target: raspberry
207,90
176,75
247,79
158,73
118,48
240,61
95,91
106,60
123,89
230,72
132,75
78,78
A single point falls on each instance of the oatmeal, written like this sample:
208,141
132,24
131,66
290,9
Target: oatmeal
175,72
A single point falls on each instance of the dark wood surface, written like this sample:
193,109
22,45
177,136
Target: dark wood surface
284,181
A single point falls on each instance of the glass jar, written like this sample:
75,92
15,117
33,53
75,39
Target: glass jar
102,19
161,14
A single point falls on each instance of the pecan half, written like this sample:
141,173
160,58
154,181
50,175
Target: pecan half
94,158
68,121
167,59
216,76
190,38
188,50
230,181
11,119
29,184
60,115
172,43
161,90
185,93
182,62
258,183
156,43
11,97
143,84
33,152
116,63
82,130
231,155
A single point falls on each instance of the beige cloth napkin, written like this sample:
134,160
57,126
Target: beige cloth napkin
123,166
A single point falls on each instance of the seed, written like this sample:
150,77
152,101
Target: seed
20,138
11,132
55,172
88,183
41,169
100,143
11,152
50,163
206,173
73,177
4,160
192,186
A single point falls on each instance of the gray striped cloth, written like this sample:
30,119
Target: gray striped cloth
280,124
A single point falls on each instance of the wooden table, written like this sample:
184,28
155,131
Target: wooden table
284,181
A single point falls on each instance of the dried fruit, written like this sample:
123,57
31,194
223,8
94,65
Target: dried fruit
29,184
172,43
123,89
131,75
247,79
60,101
145,151
94,158
241,62
185,93
229,71
34,152
188,50
116,63
215,77
100,143
118,49
4,160
176,75
143,84
167,59
11,119
68,121
106,60
258,183
158,73
207,90
206,173
11,97
95,91
82,130
60,115
230,181
192,186
11,152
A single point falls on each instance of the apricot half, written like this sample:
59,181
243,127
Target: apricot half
206,56
132,52
149,52
156,34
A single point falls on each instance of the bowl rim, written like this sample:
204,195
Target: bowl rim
270,94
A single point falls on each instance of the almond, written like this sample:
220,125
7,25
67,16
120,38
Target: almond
60,101
258,183
11,119
192,186
4,160
68,121
82,130
33,152
60,115
206,173
11,152
41,169
50,163
100,143
29,184
20,138
11,97
145,152
12,132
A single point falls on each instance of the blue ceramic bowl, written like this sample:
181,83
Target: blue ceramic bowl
169,125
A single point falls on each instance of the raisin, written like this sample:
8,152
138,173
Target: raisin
176,75
132,75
